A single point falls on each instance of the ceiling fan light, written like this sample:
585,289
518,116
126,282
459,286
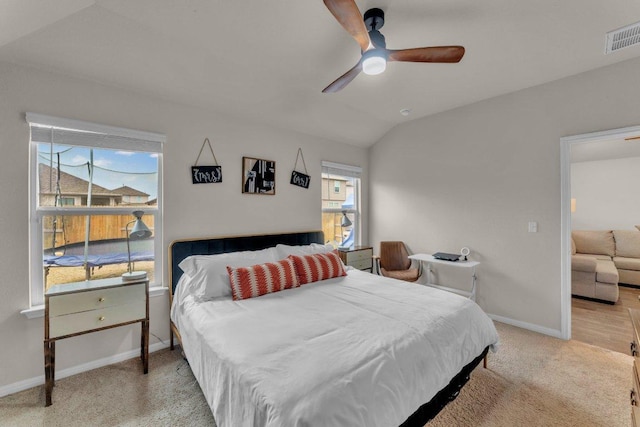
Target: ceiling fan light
374,63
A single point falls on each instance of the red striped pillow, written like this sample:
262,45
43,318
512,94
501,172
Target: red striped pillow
260,279
311,268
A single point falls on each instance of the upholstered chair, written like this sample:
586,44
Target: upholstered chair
394,262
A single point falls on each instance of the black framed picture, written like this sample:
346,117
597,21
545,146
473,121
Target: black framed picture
258,176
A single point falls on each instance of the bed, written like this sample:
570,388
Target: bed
358,349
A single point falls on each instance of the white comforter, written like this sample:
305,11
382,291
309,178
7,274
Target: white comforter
361,350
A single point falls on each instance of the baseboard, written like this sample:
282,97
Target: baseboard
529,326
39,380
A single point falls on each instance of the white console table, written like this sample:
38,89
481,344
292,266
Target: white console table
429,260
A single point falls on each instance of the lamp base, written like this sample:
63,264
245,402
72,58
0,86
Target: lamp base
134,275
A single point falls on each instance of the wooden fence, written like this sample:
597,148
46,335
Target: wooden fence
71,229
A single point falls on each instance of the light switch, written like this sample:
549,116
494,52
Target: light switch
533,227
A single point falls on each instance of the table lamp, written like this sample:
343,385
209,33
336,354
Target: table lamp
139,231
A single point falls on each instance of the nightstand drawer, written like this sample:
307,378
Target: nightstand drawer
95,319
91,300
359,257
362,264
365,254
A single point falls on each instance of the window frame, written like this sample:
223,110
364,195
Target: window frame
133,140
349,172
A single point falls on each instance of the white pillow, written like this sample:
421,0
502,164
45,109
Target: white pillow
209,275
301,250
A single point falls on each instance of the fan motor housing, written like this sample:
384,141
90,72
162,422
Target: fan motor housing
374,19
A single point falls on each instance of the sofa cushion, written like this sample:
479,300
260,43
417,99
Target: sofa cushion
626,263
606,272
601,257
573,247
583,263
630,277
594,242
627,243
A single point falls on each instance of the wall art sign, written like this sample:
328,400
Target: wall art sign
258,176
206,174
298,178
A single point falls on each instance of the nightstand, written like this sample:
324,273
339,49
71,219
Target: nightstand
83,307
360,257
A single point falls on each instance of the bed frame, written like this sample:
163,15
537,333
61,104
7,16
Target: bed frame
181,249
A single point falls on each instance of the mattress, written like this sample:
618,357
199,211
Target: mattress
360,350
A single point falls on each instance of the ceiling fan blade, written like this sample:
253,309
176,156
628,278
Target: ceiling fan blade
348,15
344,79
427,54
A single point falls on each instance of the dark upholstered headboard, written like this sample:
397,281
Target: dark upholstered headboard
180,249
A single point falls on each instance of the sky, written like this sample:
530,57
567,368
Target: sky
113,168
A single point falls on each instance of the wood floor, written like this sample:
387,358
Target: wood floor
605,325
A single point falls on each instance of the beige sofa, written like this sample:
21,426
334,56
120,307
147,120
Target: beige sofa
602,259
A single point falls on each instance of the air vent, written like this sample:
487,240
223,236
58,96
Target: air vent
623,37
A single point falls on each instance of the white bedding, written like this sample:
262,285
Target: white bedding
360,350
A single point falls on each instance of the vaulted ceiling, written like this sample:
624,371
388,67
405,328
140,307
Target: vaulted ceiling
267,61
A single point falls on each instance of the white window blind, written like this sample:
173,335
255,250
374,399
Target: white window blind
48,129
332,168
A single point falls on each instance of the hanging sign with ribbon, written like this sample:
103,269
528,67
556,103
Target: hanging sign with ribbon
206,174
298,178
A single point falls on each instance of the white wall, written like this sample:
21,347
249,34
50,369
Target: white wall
607,194
475,176
189,210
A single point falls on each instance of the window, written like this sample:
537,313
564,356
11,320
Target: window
341,204
83,176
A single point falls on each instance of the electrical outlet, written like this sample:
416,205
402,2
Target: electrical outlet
533,227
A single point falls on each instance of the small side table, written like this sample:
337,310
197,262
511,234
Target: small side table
429,260
360,257
83,307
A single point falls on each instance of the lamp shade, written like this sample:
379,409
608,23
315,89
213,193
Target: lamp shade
139,230
346,222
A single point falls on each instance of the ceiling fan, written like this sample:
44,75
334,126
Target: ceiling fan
365,30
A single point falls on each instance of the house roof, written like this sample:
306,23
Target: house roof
272,70
69,184
128,191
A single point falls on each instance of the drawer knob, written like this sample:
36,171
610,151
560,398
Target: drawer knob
101,318
101,299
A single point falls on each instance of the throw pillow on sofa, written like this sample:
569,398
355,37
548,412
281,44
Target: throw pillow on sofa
594,242
627,243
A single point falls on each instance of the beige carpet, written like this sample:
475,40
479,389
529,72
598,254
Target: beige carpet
533,380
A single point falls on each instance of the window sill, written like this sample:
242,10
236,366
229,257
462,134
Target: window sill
37,311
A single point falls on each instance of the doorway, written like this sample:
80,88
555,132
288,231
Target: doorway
566,144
